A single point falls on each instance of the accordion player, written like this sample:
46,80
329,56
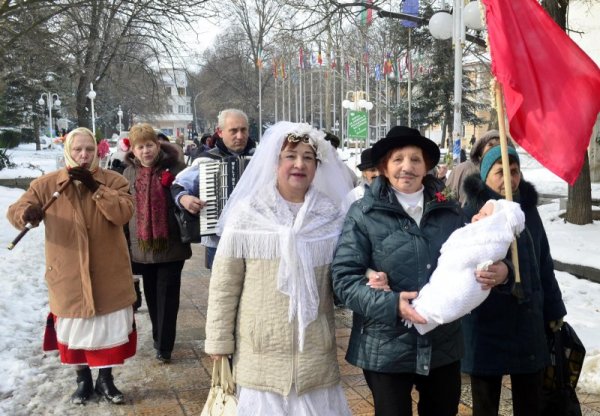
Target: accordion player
217,179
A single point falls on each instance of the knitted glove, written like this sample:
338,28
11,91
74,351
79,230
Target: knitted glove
33,214
85,177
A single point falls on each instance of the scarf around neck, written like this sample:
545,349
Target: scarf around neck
264,227
152,227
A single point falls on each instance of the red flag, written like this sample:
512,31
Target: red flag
301,58
551,87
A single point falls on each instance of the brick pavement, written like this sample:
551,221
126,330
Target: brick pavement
180,388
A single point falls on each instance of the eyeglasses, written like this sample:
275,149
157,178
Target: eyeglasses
293,138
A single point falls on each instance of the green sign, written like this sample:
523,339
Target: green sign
358,124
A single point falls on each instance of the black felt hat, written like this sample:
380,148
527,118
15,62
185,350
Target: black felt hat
366,160
400,136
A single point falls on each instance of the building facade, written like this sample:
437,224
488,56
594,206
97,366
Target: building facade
176,118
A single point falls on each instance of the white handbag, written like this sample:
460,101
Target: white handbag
221,400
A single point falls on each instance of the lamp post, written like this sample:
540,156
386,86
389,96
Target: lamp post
92,96
444,25
195,112
120,114
358,107
51,100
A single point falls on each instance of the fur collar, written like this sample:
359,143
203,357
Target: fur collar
477,190
167,159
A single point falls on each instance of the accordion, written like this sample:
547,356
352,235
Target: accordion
217,180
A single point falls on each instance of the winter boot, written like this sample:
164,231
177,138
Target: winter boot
138,292
85,386
106,388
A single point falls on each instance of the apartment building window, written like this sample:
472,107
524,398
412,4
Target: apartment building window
181,109
168,90
181,91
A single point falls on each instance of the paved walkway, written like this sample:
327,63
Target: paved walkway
180,388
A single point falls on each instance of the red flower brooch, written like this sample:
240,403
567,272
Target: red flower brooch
167,178
445,195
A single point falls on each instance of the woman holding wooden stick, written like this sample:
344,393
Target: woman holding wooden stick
91,321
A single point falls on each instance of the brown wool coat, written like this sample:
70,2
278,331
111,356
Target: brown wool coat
88,271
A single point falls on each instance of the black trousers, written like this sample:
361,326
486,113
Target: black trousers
439,392
526,394
162,284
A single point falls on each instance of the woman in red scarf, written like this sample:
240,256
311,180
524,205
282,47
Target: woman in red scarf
156,245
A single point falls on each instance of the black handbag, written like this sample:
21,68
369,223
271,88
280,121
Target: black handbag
561,376
189,226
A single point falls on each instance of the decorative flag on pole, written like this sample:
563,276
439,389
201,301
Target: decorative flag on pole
275,68
347,70
320,56
332,60
388,68
377,72
551,87
283,74
301,58
408,65
366,16
410,7
259,63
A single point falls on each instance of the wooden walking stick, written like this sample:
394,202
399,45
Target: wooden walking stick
29,226
517,289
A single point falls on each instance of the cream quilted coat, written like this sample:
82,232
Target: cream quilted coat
248,317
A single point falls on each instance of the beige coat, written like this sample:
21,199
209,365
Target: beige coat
88,271
248,317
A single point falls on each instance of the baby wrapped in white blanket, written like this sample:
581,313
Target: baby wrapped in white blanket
452,291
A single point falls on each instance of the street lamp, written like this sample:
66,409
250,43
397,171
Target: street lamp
51,100
195,112
444,25
92,96
120,114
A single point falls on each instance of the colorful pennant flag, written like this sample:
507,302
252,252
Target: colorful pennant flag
551,87
410,7
366,16
259,62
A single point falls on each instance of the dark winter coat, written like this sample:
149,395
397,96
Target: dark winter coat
380,235
176,251
504,335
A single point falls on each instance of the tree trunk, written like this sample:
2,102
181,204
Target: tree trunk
579,205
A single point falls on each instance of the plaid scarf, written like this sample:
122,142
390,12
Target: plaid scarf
151,210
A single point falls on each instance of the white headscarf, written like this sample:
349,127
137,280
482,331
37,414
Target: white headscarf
257,222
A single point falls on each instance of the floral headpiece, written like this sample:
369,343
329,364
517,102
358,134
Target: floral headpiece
310,136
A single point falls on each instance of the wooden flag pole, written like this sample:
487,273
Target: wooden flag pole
517,288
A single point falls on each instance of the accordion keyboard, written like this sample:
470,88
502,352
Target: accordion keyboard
209,187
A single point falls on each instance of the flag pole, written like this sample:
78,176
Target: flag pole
517,288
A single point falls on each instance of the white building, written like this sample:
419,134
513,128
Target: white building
177,110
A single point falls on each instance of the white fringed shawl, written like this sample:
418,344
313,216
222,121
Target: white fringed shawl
263,227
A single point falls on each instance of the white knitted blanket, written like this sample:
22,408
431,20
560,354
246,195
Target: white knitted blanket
452,291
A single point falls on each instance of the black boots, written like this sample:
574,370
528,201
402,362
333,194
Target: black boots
138,292
85,386
106,388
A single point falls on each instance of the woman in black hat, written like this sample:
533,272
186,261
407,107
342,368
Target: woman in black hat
397,229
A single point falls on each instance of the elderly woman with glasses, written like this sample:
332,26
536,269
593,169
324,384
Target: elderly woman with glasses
270,301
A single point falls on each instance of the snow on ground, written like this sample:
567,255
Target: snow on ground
23,298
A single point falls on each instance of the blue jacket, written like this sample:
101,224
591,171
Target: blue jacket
380,235
504,335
